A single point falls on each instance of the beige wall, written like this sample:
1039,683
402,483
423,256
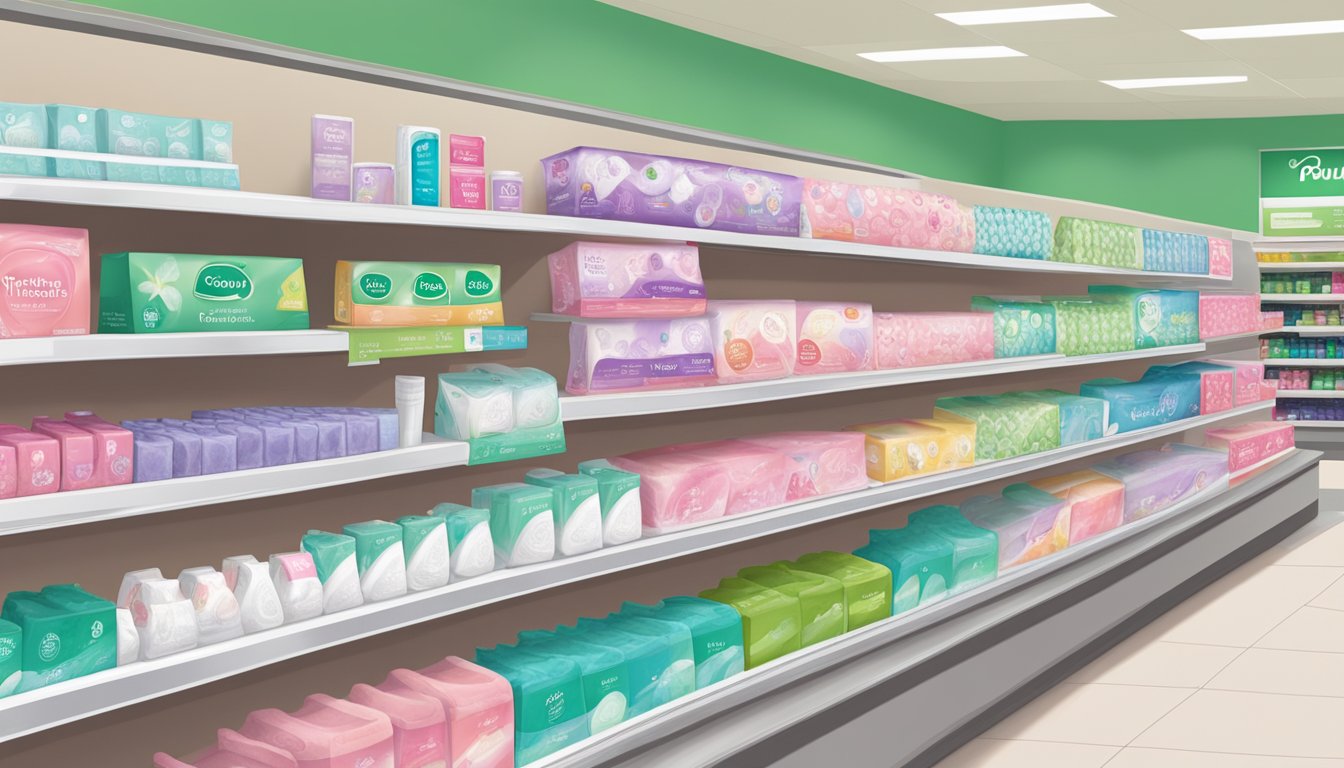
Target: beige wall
270,108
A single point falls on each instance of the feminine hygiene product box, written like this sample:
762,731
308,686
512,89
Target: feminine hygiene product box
1215,386
1004,427
1012,232
1250,375
716,631
656,189
758,477
217,147
899,449
834,337
915,339
975,550
1149,402
1103,243
44,281
326,731
74,129
921,564
141,135
67,633
1175,252
867,584
23,126
771,620
1030,523
678,490
1096,503
1250,445
627,280
1088,327
1156,479
176,292
904,218
548,699
753,340
417,293
1220,257
819,463
1080,418
1225,314
625,355
1159,318
1022,327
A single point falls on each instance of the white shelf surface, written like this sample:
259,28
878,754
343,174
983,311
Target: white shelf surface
35,513
1310,330
84,697
1242,335
228,202
1310,394
1298,362
616,404
1301,266
1302,298
131,346
1307,424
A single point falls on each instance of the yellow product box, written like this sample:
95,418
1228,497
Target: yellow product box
411,293
904,448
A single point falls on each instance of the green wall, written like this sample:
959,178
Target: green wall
1202,170
644,67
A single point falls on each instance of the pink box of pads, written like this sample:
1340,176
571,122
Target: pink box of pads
1250,375
44,281
467,151
833,337
1220,257
1270,321
753,340
677,490
466,188
37,460
9,480
77,453
1225,314
114,450
904,218
914,339
627,280
1248,445
820,463
758,478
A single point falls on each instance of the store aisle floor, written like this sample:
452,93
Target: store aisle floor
1249,673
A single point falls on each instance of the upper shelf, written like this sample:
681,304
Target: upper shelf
1302,298
1300,266
128,346
227,202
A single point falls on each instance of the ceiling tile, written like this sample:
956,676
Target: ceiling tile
981,93
1188,14
1254,88
975,70
1316,56
1317,88
1072,111
1200,110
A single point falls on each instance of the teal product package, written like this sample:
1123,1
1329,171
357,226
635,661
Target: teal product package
66,633
606,675
716,631
1013,232
23,126
975,551
74,129
618,493
11,657
922,565
678,676
548,705
1080,418
217,147
649,661
1021,327
1156,400
1160,318
471,547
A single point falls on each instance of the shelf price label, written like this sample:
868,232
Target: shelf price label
370,345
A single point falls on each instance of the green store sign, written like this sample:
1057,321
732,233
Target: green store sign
1302,192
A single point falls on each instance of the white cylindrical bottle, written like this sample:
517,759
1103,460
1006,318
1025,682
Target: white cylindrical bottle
411,409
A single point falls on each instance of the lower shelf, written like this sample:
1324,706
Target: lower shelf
62,703
1309,394
761,717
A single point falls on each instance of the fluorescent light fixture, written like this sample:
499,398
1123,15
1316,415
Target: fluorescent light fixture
944,54
1174,82
1034,13
1294,29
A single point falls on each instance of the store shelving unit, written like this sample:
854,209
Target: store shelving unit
1301,266
1309,394
84,697
110,346
1310,330
1302,298
1301,362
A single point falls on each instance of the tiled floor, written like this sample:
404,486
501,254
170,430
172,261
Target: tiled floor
1248,673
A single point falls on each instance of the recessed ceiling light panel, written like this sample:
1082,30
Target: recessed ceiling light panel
1174,82
1019,15
943,54
1294,29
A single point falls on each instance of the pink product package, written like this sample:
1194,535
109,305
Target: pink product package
627,280
418,724
678,490
325,732
753,340
466,188
232,750
820,463
1270,321
914,339
114,448
77,453
1250,375
834,337
477,703
1220,257
754,479
9,479
892,216
1225,314
44,281
466,151
37,460
1249,445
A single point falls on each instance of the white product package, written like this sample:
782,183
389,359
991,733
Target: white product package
128,639
218,616
258,602
165,620
297,586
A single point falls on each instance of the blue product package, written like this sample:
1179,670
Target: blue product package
1147,403
1013,232
1162,318
1021,327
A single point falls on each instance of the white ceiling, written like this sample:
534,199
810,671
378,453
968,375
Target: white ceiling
1058,79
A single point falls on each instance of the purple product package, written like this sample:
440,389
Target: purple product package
305,439
333,156
277,442
627,280
249,442
153,456
625,355
655,189
186,446
219,450
1156,479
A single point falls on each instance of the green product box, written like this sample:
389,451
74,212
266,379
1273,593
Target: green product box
821,599
1005,427
11,657
401,293
867,584
74,129
67,633
1022,327
25,126
217,147
1088,327
1103,243
1160,318
175,293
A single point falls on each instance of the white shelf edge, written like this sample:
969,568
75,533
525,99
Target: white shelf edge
1235,336
1310,330
1309,394
621,404
1309,424
618,744
129,346
55,705
229,202
1300,266
1295,362
1301,298
56,510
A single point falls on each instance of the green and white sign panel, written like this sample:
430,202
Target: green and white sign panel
1302,192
